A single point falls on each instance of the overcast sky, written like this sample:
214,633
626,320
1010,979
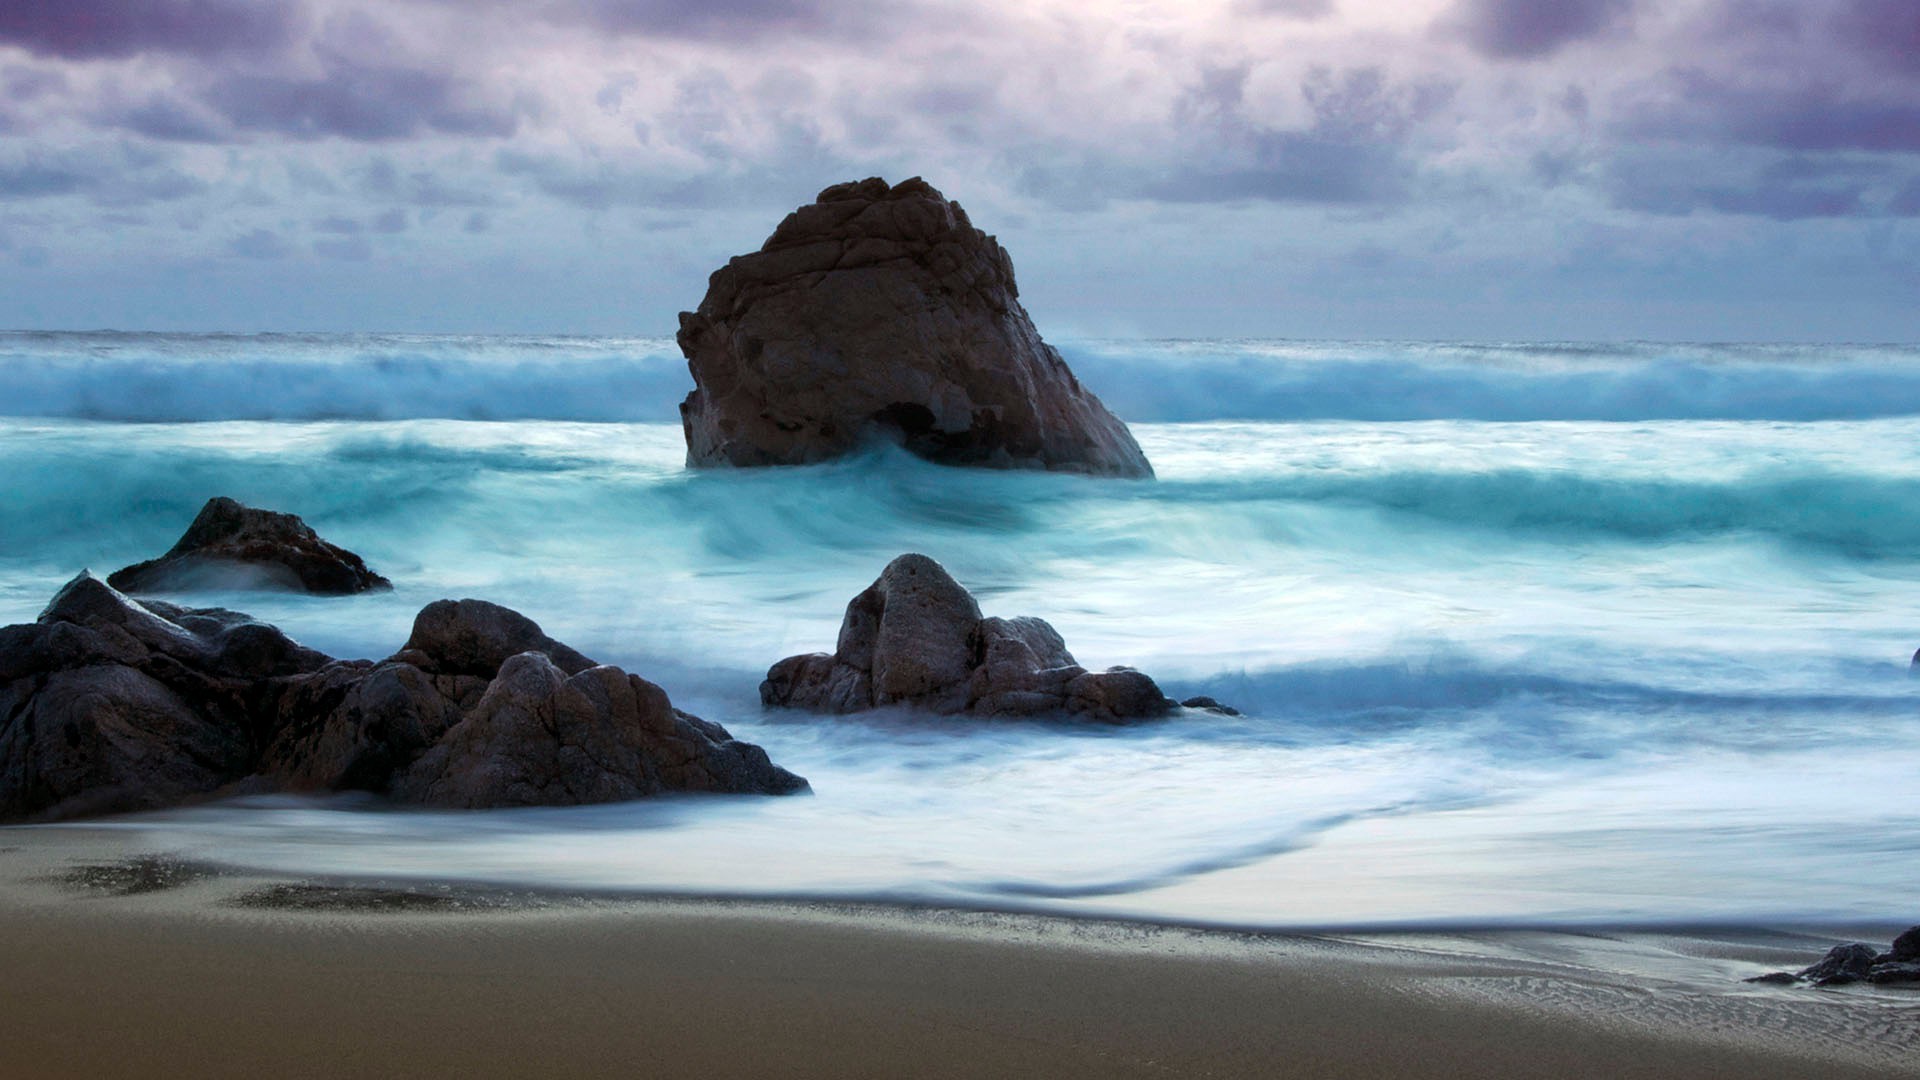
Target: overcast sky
1482,169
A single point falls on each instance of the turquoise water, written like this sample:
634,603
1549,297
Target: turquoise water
1518,637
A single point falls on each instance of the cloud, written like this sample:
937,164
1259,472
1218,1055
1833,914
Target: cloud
1530,29
33,180
260,244
353,101
1785,116
1791,189
734,20
96,29
1886,30
1352,153
1293,9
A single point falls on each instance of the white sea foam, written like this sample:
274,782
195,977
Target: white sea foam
1515,671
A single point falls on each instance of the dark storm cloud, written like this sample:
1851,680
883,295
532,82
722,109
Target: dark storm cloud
1527,29
1886,30
97,29
356,101
1784,116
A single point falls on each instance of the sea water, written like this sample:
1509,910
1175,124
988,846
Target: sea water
1520,633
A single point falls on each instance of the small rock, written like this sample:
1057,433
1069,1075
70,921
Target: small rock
1775,978
916,637
1210,705
230,546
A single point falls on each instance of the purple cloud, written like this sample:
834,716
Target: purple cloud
95,29
1786,117
1528,29
358,102
1887,30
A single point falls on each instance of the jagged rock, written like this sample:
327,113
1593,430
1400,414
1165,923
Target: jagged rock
108,704
916,637
539,737
881,312
233,546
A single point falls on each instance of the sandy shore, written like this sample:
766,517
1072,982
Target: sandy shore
152,968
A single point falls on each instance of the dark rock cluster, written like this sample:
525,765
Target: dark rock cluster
234,546
916,637
108,704
879,311
1858,962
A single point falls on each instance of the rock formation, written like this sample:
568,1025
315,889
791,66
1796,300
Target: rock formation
234,546
881,312
916,637
1857,961
108,704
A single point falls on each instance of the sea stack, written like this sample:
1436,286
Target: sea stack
879,312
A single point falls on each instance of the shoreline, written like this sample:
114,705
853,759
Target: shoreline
332,980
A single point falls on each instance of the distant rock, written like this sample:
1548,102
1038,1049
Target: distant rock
231,546
1856,962
881,312
916,637
108,704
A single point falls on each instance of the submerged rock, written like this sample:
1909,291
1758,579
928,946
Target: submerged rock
880,311
108,704
233,546
916,637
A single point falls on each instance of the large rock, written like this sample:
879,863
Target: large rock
230,546
881,312
916,637
108,704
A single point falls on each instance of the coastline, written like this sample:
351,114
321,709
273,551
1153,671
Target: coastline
231,973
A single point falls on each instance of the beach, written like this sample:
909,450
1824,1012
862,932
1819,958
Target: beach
238,974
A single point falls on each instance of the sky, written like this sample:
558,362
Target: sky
1726,170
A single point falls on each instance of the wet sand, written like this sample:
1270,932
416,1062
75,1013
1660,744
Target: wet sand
122,966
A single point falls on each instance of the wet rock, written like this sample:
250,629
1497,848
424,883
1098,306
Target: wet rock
474,637
230,546
1843,964
1209,705
541,738
108,704
1902,972
880,312
1907,945
916,637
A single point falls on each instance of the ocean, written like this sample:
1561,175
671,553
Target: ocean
1523,634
